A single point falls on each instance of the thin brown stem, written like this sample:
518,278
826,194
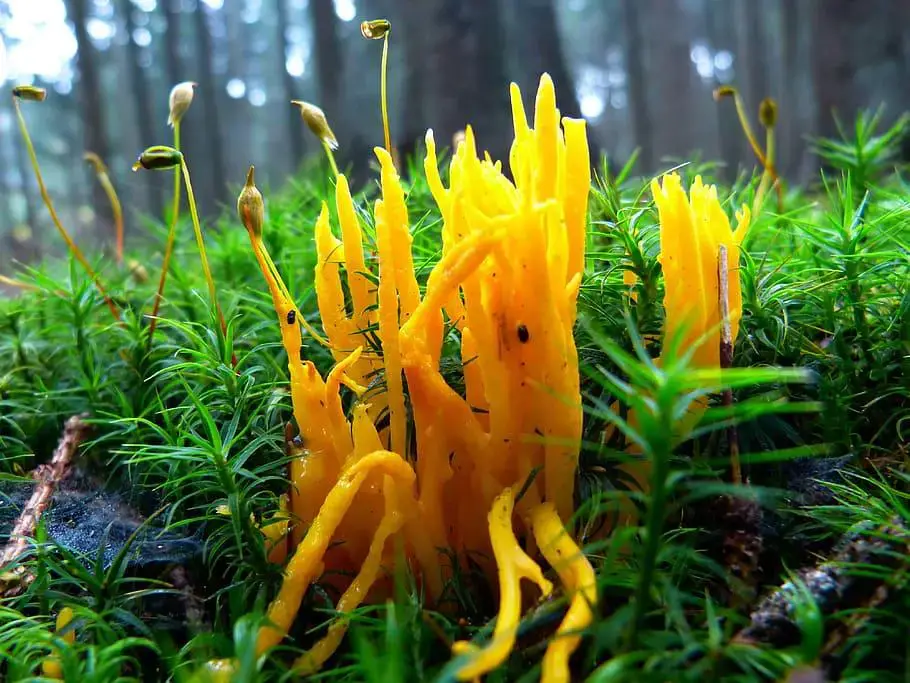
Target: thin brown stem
747,128
47,476
200,243
383,81
726,356
331,157
169,244
74,249
765,157
117,210
104,180
12,282
203,257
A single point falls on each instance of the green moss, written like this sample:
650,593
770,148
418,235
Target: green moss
823,359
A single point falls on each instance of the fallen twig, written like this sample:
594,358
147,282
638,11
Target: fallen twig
843,588
47,476
742,516
726,356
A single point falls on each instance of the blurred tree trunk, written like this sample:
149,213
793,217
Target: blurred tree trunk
790,33
638,85
21,250
92,103
755,52
241,152
408,25
721,36
858,58
415,112
7,203
139,86
469,83
171,11
194,137
208,89
797,101
173,69
671,76
295,127
329,64
70,122
26,180
535,43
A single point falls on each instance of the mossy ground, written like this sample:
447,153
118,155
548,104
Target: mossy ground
824,446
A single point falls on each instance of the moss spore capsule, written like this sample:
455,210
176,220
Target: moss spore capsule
32,93
375,29
158,158
250,206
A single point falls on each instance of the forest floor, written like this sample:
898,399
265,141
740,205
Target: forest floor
155,463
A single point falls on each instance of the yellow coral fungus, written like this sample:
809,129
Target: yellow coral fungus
51,666
514,565
442,476
692,230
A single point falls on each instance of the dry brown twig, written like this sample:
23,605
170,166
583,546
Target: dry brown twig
47,476
741,514
726,356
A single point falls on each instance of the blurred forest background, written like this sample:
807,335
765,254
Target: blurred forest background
640,71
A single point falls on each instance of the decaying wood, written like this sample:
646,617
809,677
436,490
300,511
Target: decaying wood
192,603
845,592
741,520
47,476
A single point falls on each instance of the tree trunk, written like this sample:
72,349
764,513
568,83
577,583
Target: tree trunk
26,184
23,251
858,59
796,121
415,112
295,129
642,130
238,112
755,52
92,103
193,134
142,100
721,36
671,77
536,45
172,65
77,193
208,90
329,64
469,83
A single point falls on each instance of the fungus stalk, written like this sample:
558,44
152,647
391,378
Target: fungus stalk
160,158
104,180
767,114
180,99
38,95
18,284
379,29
